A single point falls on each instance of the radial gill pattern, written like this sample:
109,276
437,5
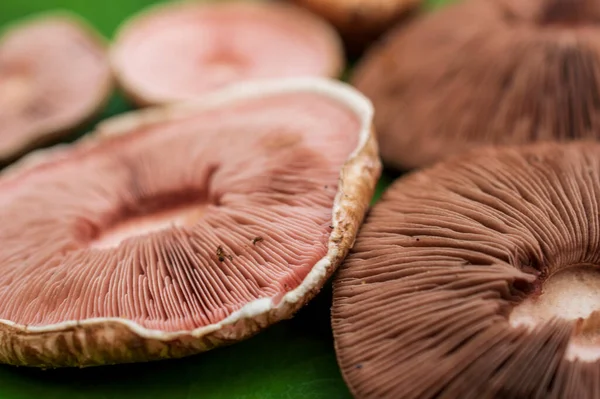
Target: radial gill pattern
179,224
478,278
180,50
485,71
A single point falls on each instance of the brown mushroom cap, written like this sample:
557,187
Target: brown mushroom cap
361,22
54,76
175,230
177,51
485,72
478,278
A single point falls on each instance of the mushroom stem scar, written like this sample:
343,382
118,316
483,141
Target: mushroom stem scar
569,294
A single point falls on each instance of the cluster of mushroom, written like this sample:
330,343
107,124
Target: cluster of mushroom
196,222
225,206
483,265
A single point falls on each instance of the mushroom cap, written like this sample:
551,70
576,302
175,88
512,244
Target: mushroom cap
432,298
360,22
483,72
180,50
54,76
174,230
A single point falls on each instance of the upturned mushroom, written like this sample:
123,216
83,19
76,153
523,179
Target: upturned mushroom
485,72
361,22
181,50
54,76
478,278
174,230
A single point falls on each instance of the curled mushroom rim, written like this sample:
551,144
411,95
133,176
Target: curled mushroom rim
250,90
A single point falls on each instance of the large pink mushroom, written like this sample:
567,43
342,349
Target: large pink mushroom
175,230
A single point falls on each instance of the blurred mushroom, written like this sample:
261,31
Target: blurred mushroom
177,51
485,72
54,76
172,231
361,22
478,278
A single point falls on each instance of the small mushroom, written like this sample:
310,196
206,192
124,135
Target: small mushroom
54,76
361,22
484,72
133,243
478,278
180,50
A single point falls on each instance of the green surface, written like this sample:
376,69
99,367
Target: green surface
293,359
106,16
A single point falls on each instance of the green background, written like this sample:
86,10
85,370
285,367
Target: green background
293,359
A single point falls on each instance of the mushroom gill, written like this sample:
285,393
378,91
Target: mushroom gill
169,232
180,50
478,278
485,72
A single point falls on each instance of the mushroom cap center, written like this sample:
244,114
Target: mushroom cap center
572,293
137,225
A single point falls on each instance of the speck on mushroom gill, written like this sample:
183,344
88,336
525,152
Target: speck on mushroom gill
137,243
485,72
478,278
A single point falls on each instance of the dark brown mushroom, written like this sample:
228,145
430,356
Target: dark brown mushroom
361,22
136,243
54,76
177,51
485,72
478,278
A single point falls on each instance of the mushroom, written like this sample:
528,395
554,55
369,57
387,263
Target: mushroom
174,230
54,76
478,278
178,51
361,22
484,72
